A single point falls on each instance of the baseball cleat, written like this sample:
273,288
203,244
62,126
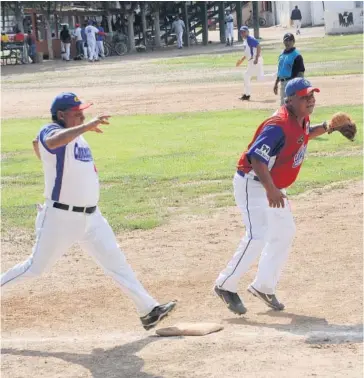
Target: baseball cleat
245,97
269,299
158,313
232,300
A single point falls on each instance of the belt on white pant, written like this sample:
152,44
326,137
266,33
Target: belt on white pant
248,175
76,209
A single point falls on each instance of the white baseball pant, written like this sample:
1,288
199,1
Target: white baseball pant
255,70
66,47
229,31
180,39
269,232
100,48
297,25
57,230
85,50
92,50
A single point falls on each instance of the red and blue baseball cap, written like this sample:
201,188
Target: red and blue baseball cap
67,101
300,87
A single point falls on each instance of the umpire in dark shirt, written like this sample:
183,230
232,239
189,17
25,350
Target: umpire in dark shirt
290,65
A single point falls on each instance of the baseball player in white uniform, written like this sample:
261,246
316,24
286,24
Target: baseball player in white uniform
178,26
229,28
91,32
70,213
253,54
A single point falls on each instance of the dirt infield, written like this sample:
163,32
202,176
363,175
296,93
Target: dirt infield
75,322
142,87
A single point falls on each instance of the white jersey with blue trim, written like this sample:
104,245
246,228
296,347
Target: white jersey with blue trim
250,47
70,174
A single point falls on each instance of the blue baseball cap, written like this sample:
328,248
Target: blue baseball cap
244,28
300,87
66,101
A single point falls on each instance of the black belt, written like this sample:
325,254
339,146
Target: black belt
285,79
76,209
242,174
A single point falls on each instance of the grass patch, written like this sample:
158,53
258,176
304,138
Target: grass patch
316,50
153,165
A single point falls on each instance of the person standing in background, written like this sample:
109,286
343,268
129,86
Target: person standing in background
84,40
100,41
32,47
79,41
65,43
178,27
91,32
296,18
229,28
290,65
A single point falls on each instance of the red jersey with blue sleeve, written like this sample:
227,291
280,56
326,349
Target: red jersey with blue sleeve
281,143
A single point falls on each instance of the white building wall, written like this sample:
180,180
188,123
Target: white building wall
339,5
334,26
317,13
284,10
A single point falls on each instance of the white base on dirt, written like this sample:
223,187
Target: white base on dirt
190,329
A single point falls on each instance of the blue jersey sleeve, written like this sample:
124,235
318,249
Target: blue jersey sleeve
268,144
252,42
47,131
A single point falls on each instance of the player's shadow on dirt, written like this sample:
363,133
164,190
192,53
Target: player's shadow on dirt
317,330
119,361
268,101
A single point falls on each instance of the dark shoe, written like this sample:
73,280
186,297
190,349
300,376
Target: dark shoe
157,314
232,300
269,299
245,98
232,42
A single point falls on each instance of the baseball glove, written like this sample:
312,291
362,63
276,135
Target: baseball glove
344,124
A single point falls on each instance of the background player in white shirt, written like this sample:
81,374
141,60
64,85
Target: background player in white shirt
91,32
229,28
253,53
70,213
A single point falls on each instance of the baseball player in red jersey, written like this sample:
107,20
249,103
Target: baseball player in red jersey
269,165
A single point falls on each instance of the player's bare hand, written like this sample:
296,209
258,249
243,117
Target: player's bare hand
94,124
275,198
255,61
275,89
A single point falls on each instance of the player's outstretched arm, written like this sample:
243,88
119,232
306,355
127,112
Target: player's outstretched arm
62,137
317,130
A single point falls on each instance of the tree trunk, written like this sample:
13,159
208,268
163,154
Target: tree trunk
144,23
19,17
49,37
256,19
3,18
109,23
131,32
157,29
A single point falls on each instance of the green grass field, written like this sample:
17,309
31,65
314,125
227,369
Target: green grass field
317,50
155,165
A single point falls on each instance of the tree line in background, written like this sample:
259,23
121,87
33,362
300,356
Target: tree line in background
129,15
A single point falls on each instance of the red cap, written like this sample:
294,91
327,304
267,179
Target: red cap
77,25
81,107
307,91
